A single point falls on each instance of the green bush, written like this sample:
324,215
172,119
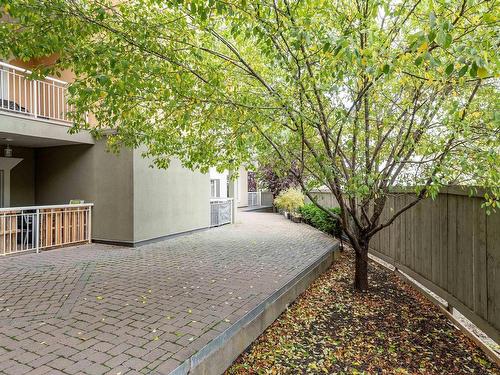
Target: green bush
290,200
319,219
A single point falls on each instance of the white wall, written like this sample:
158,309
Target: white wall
223,178
242,188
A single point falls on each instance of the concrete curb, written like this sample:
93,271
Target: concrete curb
220,353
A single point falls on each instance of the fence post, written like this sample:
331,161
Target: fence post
37,231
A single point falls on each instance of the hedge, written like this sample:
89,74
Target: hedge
319,219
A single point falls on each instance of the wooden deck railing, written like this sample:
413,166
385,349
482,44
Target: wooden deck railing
37,228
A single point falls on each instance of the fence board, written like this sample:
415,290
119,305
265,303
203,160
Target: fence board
443,241
493,268
435,240
452,246
480,278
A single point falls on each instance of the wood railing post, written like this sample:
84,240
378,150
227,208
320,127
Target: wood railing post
34,96
89,224
37,231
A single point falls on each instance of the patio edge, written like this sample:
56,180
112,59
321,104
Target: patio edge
220,353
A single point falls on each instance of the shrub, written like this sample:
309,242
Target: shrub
290,200
319,219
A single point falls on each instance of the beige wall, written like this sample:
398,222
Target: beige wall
22,178
64,173
132,202
168,201
113,205
92,174
66,75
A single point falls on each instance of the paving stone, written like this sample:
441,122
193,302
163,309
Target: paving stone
96,308
26,357
117,360
60,363
96,369
135,364
119,349
17,369
42,370
4,364
167,366
119,370
79,366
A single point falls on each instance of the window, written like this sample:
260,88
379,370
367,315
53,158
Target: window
215,188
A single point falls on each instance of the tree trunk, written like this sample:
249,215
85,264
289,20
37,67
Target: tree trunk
361,269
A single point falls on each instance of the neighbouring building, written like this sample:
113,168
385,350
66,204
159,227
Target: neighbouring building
221,186
41,164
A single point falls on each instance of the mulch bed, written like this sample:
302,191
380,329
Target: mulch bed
392,329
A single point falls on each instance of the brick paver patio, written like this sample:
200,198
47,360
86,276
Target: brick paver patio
100,309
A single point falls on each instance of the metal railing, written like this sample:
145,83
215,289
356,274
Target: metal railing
45,100
221,211
42,227
254,198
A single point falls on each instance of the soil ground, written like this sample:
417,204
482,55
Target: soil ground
392,329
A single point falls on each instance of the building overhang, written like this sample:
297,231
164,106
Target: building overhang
22,131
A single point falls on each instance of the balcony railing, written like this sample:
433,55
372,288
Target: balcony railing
254,198
221,211
46,100
42,227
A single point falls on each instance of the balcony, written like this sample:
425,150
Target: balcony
36,228
42,100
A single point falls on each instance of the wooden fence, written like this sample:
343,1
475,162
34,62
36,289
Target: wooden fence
324,198
451,247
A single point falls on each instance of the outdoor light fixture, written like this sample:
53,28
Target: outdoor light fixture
7,152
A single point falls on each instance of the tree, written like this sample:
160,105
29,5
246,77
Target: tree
363,95
252,181
275,180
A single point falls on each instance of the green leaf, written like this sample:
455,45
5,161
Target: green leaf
449,69
432,19
473,70
443,39
463,70
482,72
448,41
431,36
386,69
